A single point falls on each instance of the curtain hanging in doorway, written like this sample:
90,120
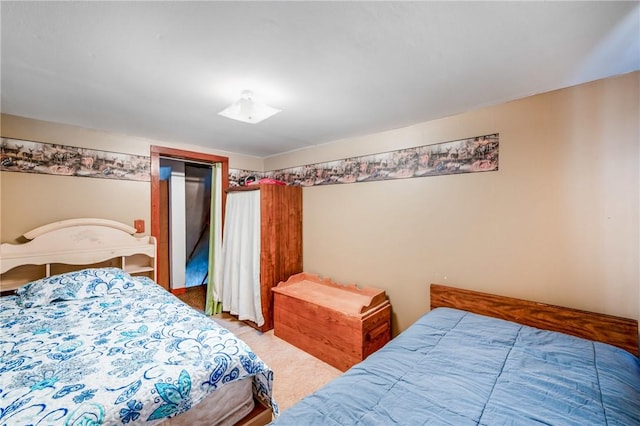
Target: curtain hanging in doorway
214,301
241,257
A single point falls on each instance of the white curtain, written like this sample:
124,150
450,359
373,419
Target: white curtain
214,273
241,256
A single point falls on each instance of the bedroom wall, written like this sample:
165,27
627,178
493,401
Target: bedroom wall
558,223
31,200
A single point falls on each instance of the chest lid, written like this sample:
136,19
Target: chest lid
348,299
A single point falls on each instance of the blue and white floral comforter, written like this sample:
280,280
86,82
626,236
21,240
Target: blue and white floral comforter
101,347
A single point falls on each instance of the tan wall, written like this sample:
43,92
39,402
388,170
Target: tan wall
558,223
31,200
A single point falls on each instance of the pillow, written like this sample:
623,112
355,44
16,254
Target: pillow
84,284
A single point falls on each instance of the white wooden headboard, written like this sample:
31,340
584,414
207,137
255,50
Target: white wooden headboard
73,244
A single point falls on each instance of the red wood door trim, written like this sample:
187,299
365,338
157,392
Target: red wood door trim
161,151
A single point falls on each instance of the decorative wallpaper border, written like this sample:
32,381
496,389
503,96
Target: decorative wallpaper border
472,155
17,155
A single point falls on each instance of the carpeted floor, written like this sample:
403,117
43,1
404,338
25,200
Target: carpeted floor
296,373
195,297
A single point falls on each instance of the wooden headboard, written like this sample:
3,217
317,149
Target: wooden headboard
74,244
616,331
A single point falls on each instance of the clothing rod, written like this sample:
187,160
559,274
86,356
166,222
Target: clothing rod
202,163
195,178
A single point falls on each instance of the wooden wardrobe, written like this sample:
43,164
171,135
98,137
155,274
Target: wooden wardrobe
280,240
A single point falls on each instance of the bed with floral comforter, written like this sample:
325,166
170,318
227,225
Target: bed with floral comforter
99,346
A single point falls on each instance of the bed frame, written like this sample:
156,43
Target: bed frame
75,244
616,331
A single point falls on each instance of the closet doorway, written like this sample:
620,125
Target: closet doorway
195,164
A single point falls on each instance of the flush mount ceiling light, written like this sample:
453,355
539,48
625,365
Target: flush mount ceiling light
249,110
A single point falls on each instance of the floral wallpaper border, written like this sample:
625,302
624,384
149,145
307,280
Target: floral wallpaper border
17,155
471,155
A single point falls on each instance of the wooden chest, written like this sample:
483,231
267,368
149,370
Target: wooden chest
340,325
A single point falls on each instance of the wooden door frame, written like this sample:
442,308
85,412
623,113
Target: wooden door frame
161,151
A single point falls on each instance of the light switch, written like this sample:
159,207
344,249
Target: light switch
139,225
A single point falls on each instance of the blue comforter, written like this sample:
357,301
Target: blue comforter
456,368
99,347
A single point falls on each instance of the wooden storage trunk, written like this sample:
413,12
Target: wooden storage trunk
340,325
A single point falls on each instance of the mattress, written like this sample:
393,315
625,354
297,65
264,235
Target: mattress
219,408
457,368
99,346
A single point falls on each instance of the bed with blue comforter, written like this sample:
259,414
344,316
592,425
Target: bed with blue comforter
99,346
454,367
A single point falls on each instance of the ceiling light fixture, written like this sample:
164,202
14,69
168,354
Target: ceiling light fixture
248,110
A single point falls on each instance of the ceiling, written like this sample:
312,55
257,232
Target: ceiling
163,70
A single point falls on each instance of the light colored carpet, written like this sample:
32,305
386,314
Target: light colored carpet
296,373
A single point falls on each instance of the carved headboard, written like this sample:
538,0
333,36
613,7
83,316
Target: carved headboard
75,244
